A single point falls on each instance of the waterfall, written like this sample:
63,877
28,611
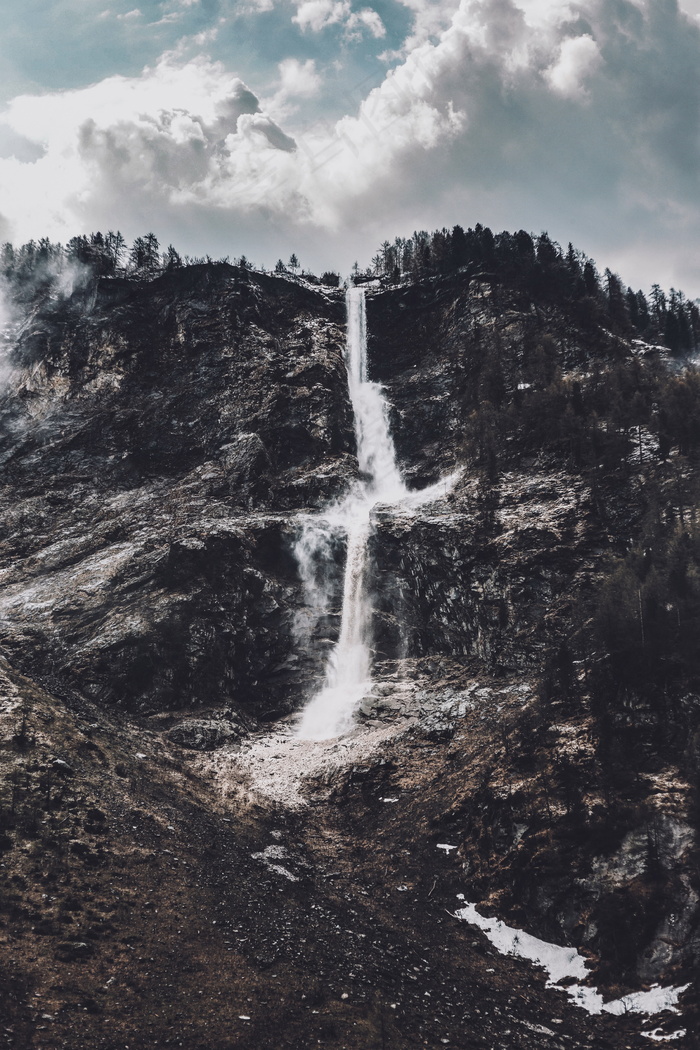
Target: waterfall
375,449
348,673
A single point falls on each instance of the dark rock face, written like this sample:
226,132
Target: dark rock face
145,433
158,441
440,346
204,372
486,573
451,583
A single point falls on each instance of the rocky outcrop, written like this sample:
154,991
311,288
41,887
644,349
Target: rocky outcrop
204,734
146,430
461,579
158,439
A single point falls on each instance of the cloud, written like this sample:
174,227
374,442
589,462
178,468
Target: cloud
297,82
430,19
316,15
298,79
254,7
366,19
178,132
578,59
574,117
15,145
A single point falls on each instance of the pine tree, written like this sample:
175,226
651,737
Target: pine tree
459,248
116,246
617,307
171,258
144,257
590,279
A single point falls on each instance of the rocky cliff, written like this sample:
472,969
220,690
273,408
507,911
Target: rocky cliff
154,438
159,440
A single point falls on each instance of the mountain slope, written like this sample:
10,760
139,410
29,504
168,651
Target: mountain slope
538,690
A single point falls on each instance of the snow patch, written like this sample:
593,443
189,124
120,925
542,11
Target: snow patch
561,963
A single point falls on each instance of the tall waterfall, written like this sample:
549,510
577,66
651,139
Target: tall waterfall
348,672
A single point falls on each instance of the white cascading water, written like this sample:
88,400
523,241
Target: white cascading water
348,676
348,673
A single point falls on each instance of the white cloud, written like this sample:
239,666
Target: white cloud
318,14
578,60
298,79
366,19
430,19
176,133
518,113
252,7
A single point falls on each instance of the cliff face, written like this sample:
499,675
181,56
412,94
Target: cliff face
159,441
446,344
154,438
492,575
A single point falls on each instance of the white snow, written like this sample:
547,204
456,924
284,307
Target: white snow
664,1037
654,1001
561,963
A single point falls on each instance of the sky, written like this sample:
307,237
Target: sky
324,127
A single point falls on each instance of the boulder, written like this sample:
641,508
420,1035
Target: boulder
204,734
